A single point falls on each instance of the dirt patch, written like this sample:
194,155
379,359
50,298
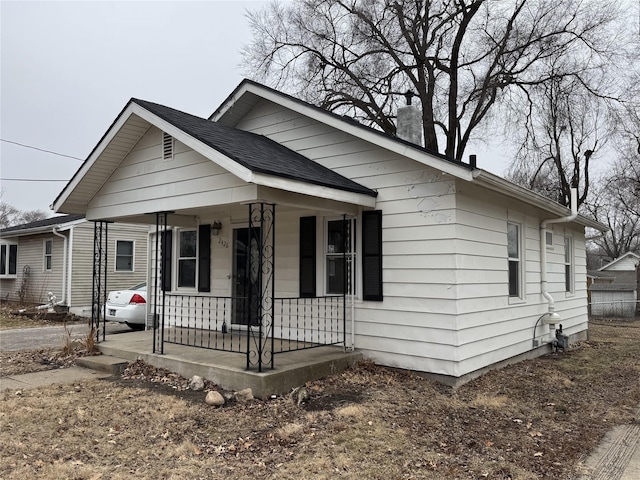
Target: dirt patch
536,419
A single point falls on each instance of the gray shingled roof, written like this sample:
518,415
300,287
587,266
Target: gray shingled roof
42,223
255,152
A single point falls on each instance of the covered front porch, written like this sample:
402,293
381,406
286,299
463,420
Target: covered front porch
252,246
227,369
218,280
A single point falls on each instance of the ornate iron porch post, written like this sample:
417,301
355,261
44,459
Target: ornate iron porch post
159,276
346,237
99,289
261,285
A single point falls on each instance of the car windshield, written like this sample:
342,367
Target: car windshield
142,286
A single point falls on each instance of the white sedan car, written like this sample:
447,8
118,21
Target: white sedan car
128,306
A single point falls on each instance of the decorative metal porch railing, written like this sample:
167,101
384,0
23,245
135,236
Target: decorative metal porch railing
252,321
298,324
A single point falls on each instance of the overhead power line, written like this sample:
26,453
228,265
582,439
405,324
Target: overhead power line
41,149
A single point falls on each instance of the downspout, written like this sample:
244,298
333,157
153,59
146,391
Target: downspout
70,267
64,265
551,317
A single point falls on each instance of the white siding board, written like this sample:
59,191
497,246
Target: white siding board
412,314
165,181
399,332
430,350
418,262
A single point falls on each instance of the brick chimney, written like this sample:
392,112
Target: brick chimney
409,124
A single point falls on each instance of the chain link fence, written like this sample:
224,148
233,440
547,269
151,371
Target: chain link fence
624,309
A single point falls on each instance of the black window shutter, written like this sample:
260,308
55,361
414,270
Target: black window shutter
166,260
372,255
307,256
204,258
3,260
13,259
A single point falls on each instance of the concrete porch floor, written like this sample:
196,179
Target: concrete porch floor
227,369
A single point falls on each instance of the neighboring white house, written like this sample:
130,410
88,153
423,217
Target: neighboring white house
443,259
614,291
56,255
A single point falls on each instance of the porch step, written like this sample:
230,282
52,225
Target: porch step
104,363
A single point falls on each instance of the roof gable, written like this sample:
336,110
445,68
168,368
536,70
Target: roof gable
255,152
253,158
628,257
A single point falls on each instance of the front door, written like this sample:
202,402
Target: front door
246,285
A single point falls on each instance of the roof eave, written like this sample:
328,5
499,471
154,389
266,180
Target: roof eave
63,196
43,229
318,191
498,184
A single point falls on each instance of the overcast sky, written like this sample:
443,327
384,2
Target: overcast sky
68,68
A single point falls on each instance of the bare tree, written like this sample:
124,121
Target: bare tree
460,57
564,126
10,215
616,201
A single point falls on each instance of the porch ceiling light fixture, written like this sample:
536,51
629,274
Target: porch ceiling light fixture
216,227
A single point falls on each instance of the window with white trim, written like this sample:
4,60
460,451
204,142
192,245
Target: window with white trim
187,258
568,264
124,255
47,261
515,263
340,256
8,259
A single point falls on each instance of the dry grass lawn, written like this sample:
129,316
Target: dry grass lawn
536,419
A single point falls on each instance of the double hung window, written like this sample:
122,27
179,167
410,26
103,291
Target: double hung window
568,264
47,261
187,258
513,248
339,256
124,256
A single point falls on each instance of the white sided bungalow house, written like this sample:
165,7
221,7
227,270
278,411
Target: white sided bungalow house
304,228
56,255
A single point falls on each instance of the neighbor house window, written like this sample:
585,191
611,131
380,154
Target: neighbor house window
8,259
187,258
124,256
568,264
513,247
48,255
339,256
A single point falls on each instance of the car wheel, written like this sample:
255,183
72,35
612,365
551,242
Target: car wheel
135,326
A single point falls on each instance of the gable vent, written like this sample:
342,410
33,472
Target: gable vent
167,146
